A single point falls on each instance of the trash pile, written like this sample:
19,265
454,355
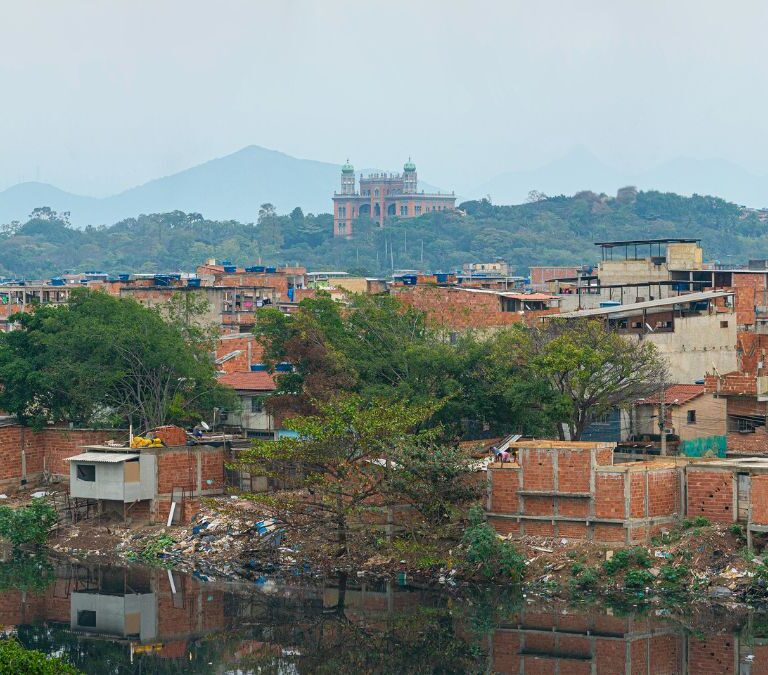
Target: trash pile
222,542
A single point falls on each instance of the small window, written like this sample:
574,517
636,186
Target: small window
723,324
691,417
86,618
86,472
404,210
417,210
376,192
257,405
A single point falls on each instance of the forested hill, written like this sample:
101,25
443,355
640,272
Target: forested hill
556,230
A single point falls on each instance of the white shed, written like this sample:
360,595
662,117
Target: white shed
118,476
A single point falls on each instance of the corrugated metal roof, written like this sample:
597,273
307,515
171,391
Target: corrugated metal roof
102,457
639,306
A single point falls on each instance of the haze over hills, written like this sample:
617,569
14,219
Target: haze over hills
234,186
581,170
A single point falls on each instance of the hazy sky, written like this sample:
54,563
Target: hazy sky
98,95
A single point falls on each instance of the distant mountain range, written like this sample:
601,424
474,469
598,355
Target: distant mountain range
234,186
581,170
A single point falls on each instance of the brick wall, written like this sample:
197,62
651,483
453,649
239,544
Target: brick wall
505,483
664,492
459,309
46,449
710,494
609,495
538,468
715,655
748,293
759,499
573,468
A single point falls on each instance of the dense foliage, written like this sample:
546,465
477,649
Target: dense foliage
554,230
16,659
27,524
486,554
378,349
101,360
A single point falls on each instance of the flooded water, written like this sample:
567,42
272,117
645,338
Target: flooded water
108,619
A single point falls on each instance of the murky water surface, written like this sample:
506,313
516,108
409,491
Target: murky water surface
108,619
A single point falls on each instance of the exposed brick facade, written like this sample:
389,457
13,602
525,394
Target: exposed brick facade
572,490
458,309
25,453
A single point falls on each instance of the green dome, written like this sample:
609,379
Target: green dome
347,168
409,166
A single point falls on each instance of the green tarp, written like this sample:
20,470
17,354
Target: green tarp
706,446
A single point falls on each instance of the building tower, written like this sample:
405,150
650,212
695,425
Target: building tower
347,179
409,177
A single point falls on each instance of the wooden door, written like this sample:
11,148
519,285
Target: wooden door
744,487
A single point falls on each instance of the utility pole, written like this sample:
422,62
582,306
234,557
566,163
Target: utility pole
663,418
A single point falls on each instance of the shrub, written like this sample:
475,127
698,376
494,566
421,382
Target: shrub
698,521
584,580
736,530
15,659
637,579
27,524
673,575
492,557
152,549
626,558
619,561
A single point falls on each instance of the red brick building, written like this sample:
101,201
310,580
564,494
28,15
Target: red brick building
463,308
574,490
382,196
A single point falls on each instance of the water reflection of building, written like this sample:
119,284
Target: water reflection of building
576,642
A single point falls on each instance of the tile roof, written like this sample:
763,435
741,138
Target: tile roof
258,380
675,394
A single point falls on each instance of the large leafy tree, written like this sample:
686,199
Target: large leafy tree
343,454
594,370
101,356
378,348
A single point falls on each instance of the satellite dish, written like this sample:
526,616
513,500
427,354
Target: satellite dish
205,426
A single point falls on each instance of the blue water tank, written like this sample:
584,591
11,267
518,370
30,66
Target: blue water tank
257,367
284,367
230,269
271,270
124,277
193,283
57,281
441,278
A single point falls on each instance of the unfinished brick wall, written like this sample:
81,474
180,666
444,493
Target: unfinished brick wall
251,351
538,471
505,483
710,494
609,495
749,291
455,308
566,492
713,655
43,450
170,434
759,499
